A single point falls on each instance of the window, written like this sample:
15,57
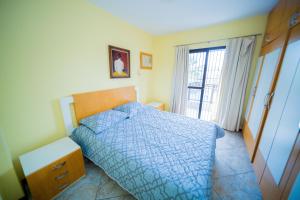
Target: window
204,75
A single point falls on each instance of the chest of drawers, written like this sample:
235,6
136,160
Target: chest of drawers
52,168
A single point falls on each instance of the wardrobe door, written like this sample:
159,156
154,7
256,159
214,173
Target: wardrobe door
287,73
288,128
277,172
253,87
278,149
268,68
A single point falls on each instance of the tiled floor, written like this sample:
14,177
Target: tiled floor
233,177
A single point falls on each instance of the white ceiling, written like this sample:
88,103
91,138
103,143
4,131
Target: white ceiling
167,16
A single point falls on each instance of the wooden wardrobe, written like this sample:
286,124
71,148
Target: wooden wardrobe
271,128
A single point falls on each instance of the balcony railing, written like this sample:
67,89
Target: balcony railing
203,82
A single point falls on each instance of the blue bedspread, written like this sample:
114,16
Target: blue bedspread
155,155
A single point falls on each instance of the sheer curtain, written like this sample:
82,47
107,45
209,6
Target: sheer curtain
237,62
180,80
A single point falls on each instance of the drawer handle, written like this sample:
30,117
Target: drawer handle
62,175
63,186
60,165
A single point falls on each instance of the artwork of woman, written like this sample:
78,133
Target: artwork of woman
119,62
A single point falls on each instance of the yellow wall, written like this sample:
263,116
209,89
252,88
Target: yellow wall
164,50
51,49
10,187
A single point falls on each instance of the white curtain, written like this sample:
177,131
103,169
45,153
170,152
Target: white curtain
180,80
234,79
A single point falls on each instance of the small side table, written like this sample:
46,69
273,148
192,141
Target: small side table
157,105
52,168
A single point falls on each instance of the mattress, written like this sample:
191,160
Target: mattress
155,154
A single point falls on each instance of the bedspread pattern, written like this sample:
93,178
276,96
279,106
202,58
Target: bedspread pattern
155,155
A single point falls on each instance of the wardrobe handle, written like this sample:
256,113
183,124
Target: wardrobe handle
254,91
268,99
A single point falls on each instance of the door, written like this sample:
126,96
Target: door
252,129
259,103
204,75
278,145
254,86
288,126
286,79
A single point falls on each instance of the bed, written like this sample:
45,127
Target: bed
153,154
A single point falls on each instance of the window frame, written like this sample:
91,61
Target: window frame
202,88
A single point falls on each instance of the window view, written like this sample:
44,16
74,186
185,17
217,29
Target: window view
204,75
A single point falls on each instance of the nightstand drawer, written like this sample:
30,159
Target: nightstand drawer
58,166
54,178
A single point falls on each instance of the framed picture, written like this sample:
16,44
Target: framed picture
145,60
119,62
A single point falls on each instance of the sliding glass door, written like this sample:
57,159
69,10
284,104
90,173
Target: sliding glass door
205,67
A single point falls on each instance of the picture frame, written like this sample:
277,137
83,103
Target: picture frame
119,62
146,60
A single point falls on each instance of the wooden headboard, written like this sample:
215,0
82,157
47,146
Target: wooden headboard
86,104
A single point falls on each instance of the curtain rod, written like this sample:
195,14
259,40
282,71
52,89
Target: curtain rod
258,34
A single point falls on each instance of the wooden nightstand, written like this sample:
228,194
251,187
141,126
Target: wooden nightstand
52,168
157,105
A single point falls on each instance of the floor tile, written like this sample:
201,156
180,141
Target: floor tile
125,197
232,161
215,196
110,189
221,168
241,186
231,140
78,191
240,195
95,174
